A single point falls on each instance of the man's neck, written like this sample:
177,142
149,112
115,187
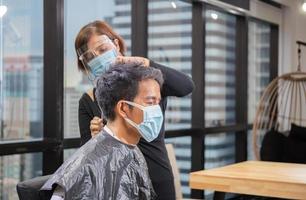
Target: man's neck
122,132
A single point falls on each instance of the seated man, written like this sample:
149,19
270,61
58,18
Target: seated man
110,165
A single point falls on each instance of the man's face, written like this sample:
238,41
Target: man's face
148,95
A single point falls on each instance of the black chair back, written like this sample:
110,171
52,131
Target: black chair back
30,189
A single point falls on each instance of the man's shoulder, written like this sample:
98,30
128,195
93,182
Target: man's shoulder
90,154
101,142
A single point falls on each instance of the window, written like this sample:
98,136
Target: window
16,168
21,89
182,150
21,68
258,70
68,153
219,151
220,69
77,14
259,64
169,43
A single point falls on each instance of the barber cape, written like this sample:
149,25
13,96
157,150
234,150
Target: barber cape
104,168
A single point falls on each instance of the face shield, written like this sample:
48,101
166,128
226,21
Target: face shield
86,56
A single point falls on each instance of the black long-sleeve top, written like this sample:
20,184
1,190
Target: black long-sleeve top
175,84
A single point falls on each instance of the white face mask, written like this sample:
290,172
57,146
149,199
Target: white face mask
152,122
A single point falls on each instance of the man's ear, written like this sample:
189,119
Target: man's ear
122,109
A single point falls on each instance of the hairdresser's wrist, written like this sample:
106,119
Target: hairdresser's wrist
146,62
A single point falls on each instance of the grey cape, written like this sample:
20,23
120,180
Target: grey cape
104,168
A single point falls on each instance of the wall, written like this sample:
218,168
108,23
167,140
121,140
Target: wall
294,28
292,25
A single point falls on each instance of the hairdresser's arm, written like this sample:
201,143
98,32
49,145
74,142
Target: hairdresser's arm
176,83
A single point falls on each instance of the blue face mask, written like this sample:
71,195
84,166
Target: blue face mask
101,63
152,121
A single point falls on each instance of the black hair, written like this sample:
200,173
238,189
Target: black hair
121,82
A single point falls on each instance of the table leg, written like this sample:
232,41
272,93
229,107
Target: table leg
219,195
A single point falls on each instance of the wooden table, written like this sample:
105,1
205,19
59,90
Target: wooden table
283,180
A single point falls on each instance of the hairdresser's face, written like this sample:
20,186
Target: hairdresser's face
93,40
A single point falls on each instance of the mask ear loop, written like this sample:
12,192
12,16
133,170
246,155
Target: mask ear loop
135,105
142,108
101,111
90,77
129,121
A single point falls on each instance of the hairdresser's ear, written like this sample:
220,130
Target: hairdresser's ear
116,42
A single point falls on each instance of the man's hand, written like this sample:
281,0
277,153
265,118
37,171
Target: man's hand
95,126
126,60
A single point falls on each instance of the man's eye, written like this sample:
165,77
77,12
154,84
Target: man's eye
150,103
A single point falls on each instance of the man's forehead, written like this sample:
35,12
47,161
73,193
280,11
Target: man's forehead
149,90
148,85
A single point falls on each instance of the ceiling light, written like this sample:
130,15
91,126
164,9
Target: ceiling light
304,6
214,16
3,10
173,4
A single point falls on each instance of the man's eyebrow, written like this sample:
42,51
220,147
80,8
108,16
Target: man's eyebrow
151,98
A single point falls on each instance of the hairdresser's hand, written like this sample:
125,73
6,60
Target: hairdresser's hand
96,125
128,60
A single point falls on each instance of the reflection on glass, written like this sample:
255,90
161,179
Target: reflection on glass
259,64
182,149
220,80
169,40
219,151
220,68
77,14
68,153
16,168
251,152
169,43
21,70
